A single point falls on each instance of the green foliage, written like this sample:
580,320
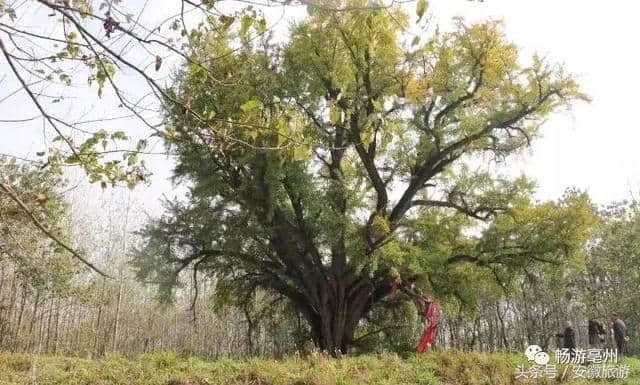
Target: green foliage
343,155
105,70
65,47
130,170
612,274
421,7
10,12
36,258
394,327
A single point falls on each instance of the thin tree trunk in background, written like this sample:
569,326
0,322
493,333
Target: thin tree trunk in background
67,326
33,321
23,302
2,291
474,333
76,338
10,309
4,317
114,344
97,331
99,320
503,331
41,326
250,329
56,329
12,298
49,320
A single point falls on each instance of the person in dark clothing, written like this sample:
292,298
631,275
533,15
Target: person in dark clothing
619,333
568,338
596,332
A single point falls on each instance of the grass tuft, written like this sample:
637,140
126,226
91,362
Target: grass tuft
168,368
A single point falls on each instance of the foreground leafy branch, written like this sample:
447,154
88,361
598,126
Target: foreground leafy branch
9,192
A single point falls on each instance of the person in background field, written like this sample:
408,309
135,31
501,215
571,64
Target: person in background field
568,338
596,332
619,333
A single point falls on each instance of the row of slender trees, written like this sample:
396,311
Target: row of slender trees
126,318
96,316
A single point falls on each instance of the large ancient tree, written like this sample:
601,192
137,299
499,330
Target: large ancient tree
361,157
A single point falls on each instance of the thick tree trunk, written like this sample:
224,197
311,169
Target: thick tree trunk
344,302
251,325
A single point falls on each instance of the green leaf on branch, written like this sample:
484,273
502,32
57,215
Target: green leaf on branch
245,24
142,144
119,135
104,71
261,26
251,105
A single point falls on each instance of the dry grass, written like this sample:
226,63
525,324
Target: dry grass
166,368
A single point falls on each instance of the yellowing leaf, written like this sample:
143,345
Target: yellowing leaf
300,152
252,133
251,105
417,88
420,8
335,114
245,24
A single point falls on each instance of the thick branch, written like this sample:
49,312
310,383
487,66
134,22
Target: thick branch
476,212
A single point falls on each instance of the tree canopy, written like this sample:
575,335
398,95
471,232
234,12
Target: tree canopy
74,49
385,170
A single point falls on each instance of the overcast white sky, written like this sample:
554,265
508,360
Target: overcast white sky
593,148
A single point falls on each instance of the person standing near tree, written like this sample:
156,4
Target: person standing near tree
568,338
619,333
596,332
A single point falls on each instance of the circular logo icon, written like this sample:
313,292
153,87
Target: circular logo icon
531,352
541,358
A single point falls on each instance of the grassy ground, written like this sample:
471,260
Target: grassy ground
166,368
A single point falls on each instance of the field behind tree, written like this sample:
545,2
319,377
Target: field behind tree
167,368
